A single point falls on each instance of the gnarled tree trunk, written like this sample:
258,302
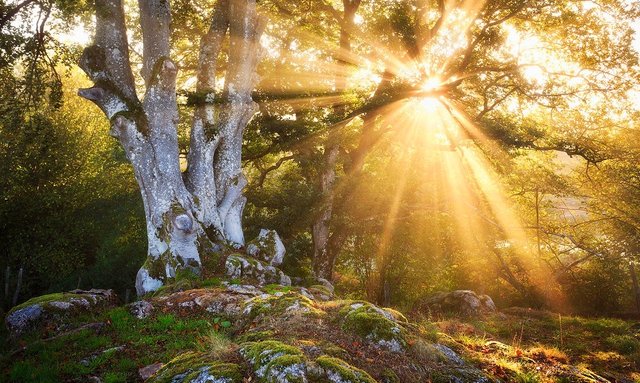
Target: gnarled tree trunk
189,216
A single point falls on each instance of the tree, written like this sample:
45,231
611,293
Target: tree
456,54
189,216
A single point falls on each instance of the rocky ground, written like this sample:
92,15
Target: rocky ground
237,329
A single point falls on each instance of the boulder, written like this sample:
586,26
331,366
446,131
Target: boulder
192,367
267,247
274,361
141,309
326,284
148,371
54,309
376,325
240,266
465,302
227,302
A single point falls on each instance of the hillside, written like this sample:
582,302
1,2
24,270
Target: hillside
220,331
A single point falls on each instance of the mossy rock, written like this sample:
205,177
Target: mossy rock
242,266
279,304
334,350
337,370
374,324
397,315
197,367
274,361
320,292
77,298
287,369
268,247
255,336
56,308
276,288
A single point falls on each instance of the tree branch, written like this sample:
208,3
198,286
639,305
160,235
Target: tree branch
210,47
265,172
155,20
234,191
107,64
8,14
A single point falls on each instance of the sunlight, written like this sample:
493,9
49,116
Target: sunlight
428,128
429,104
431,84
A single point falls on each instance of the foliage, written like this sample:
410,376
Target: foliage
560,136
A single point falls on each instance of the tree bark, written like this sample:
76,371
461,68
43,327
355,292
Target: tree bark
635,284
190,218
323,260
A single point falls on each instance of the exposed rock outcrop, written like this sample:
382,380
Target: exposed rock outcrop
239,266
267,247
465,302
54,309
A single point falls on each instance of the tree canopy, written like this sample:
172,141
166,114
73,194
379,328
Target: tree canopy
397,147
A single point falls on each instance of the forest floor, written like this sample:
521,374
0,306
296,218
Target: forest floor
514,345
524,345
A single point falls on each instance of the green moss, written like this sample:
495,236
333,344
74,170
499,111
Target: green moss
43,300
261,353
271,358
155,267
258,352
255,336
367,321
346,372
276,367
191,364
276,288
347,306
266,245
334,350
369,324
319,289
278,305
397,315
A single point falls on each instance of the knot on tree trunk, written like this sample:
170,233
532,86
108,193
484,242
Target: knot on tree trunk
184,223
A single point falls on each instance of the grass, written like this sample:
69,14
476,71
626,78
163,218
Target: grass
215,343
515,346
146,341
518,345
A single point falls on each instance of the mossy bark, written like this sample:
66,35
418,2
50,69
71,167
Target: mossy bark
188,214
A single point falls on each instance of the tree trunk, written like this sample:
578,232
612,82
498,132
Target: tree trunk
189,217
327,247
323,260
635,284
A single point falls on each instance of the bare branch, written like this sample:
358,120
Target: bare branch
10,13
265,172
